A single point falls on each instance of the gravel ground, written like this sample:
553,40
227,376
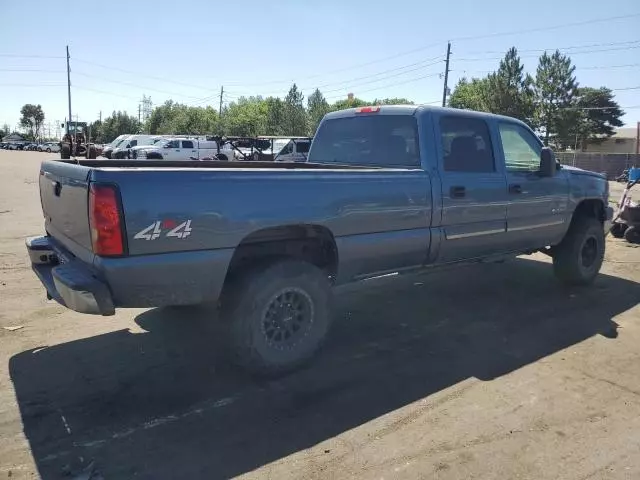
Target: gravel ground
487,372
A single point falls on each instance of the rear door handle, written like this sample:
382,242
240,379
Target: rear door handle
515,188
457,191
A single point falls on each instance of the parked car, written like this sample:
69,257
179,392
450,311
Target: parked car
51,147
184,149
386,189
106,151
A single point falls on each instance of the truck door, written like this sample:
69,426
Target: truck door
537,208
474,191
188,150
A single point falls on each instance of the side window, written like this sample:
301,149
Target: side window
187,144
466,145
521,148
133,143
287,149
303,147
173,144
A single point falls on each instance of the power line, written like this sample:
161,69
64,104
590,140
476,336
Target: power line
545,29
132,85
389,85
591,45
561,51
138,74
104,92
15,55
39,70
578,67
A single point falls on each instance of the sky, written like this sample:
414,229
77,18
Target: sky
187,50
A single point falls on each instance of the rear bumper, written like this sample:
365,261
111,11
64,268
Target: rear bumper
71,283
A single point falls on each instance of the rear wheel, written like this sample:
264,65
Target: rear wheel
278,315
48,150
578,258
65,151
632,235
618,229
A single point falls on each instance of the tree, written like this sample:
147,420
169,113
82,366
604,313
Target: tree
246,117
317,108
32,118
275,116
470,94
295,120
555,88
119,123
599,114
6,130
392,101
350,102
509,91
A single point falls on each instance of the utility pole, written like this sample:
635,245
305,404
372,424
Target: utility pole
446,76
221,94
101,116
68,88
139,112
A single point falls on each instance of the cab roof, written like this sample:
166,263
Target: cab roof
417,110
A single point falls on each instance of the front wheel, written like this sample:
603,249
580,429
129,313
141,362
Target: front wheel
578,258
65,151
278,315
632,235
48,150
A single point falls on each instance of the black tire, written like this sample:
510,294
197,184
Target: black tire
262,341
632,235
91,153
65,151
48,150
578,258
222,157
618,229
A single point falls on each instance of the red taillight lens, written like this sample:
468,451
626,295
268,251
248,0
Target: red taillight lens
105,221
367,110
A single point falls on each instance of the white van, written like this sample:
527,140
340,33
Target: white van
296,150
106,151
124,149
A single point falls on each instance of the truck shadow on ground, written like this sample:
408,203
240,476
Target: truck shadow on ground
164,404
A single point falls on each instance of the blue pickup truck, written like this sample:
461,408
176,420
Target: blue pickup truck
385,189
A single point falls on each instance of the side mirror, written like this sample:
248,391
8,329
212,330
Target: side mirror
128,145
547,163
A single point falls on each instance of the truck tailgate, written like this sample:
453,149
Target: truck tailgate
64,198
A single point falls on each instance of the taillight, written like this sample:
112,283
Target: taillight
105,221
367,110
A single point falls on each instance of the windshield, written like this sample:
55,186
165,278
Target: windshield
368,140
121,142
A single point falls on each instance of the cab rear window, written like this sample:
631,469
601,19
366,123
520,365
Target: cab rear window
368,140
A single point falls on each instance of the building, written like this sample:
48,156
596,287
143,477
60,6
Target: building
12,138
624,140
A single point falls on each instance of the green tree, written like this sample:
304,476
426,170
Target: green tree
32,118
6,130
470,94
275,116
119,123
392,101
246,117
555,88
295,120
509,91
349,103
317,108
599,114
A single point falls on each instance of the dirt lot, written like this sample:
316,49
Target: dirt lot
492,372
